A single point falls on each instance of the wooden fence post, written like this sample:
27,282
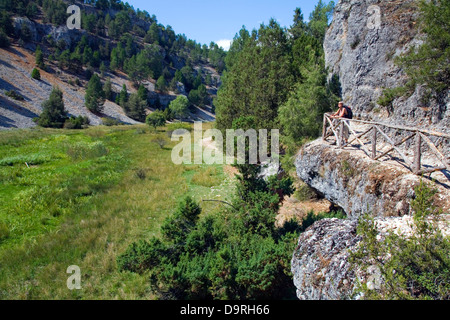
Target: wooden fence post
374,143
324,128
417,154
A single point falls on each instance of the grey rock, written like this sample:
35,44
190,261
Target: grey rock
358,184
19,22
363,58
320,263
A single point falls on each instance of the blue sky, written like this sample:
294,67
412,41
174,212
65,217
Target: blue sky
219,20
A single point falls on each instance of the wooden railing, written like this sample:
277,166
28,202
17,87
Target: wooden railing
374,130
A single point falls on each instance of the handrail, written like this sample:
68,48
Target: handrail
430,132
337,126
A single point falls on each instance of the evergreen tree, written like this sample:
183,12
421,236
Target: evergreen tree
135,108
429,64
301,116
36,74
4,41
122,98
259,79
95,96
53,114
161,84
107,89
39,57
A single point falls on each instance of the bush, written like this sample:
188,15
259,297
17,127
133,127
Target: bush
236,254
390,94
417,267
156,119
109,122
161,141
76,122
14,95
36,74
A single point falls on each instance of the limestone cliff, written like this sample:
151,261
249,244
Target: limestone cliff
360,185
360,50
361,44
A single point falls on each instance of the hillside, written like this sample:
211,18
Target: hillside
70,57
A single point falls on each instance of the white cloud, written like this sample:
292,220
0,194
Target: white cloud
225,44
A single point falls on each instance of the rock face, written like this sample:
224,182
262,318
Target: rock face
358,184
361,52
360,46
321,265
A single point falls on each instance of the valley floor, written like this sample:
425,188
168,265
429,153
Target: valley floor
81,198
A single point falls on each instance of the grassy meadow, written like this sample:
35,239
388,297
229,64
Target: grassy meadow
80,198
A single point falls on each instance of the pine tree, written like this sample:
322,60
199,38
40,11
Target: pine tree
39,58
53,115
259,79
122,98
161,84
36,74
107,89
95,96
135,107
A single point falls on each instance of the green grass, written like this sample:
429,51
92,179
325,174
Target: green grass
81,200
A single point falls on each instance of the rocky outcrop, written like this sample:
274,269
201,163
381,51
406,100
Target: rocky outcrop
362,54
320,262
360,47
360,185
321,266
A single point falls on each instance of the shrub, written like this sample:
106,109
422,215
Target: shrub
390,94
36,74
161,141
14,95
156,119
76,122
109,122
417,267
233,255
304,193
